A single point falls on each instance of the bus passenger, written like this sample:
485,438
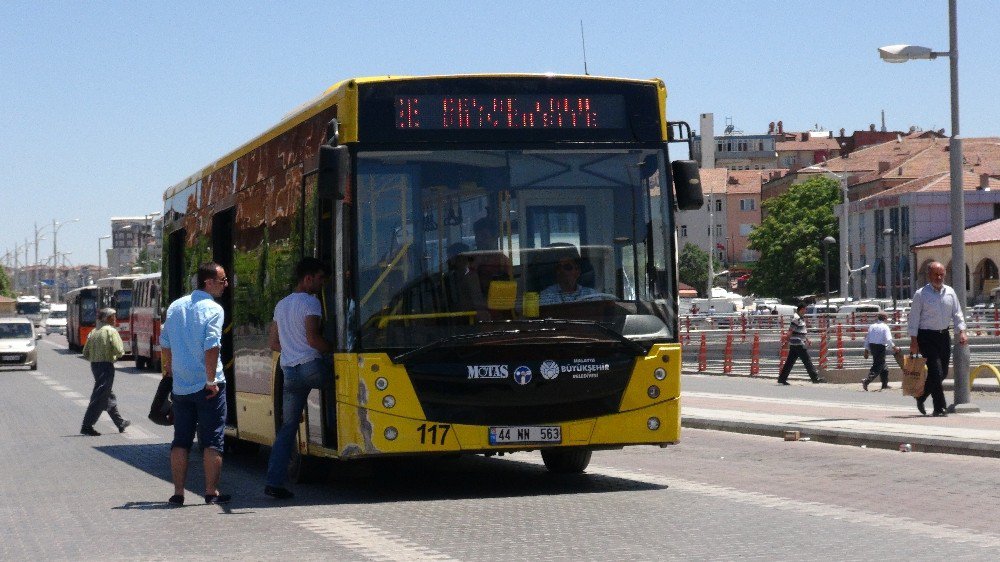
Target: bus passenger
462,284
489,262
567,287
190,343
296,334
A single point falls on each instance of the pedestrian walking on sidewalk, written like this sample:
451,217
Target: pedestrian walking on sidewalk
878,342
934,309
797,340
104,347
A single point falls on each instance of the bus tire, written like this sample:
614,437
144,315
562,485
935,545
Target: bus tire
238,447
304,469
154,364
565,460
140,361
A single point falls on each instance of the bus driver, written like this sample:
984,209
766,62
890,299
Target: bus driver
567,287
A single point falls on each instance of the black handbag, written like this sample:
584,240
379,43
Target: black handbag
161,411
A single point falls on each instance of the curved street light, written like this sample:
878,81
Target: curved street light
903,53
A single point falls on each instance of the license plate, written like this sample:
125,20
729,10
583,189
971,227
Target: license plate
504,435
10,358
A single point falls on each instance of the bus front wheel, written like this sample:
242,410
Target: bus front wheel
565,460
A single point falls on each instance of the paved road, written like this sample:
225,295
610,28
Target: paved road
715,496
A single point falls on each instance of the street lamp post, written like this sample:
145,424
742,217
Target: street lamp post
55,255
903,53
845,256
105,237
826,267
890,242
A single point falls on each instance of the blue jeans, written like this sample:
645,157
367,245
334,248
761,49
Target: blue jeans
299,382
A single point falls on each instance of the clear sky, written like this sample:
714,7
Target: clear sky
105,104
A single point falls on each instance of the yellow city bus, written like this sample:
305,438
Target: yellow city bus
504,264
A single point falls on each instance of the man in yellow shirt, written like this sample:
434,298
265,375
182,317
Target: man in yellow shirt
103,348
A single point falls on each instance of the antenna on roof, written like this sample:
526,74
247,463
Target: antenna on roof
583,40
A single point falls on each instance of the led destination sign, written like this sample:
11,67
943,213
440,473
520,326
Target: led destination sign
503,112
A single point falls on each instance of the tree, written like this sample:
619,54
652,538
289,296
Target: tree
692,267
790,240
6,289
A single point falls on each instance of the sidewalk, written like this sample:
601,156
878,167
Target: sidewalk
842,422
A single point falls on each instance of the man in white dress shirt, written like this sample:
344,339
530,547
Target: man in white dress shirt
878,342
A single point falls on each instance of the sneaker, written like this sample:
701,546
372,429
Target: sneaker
940,414
217,498
123,425
819,380
278,492
864,384
89,431
785,383
176,500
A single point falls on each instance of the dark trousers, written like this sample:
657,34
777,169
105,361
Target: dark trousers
935,346
878,365
102,399
797,352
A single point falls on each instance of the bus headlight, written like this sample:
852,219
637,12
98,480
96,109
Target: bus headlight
381,383
660,373
388,401
653,423
653,391
391,433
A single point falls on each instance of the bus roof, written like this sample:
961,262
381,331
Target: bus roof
28,298
341,90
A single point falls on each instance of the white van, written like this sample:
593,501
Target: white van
55,322
866,309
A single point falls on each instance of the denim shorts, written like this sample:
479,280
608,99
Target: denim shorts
193,412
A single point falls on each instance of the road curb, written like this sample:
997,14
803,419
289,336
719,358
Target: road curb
876,439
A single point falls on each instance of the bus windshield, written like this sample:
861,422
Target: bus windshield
29,308
451,242
122,304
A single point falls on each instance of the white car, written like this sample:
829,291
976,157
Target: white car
17,343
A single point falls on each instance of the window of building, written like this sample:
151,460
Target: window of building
718,204
747,204
684,231
718,147
745,229
718,230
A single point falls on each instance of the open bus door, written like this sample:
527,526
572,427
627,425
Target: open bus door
222,253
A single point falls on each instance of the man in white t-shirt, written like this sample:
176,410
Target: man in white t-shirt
297,334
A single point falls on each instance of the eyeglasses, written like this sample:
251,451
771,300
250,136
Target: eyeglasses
223,280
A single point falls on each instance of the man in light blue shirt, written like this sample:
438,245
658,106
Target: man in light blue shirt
190,341
933,310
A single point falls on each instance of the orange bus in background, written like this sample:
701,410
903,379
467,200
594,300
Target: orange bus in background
145,321
116,293
81,315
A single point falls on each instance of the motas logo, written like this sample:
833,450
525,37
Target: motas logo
487,371
522,375
549,369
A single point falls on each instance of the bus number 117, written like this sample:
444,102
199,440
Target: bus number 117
431,431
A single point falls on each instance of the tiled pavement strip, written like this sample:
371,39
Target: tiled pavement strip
884,426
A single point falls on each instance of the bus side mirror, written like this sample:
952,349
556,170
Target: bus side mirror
333,170
687,185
